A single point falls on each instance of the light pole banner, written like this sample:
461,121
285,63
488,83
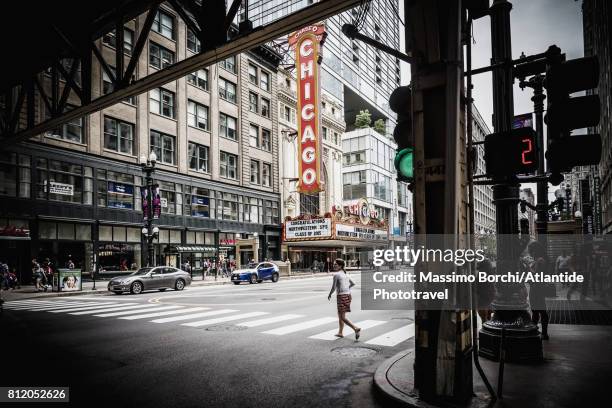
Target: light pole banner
307,44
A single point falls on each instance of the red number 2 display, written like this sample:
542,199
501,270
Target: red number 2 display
526,151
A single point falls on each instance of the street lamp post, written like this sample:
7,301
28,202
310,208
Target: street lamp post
148,230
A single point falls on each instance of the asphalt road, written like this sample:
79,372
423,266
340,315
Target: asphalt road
264,345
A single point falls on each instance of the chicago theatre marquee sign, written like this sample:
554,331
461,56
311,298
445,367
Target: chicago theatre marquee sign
307,44
341,224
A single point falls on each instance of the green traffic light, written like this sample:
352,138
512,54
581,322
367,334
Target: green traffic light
403,162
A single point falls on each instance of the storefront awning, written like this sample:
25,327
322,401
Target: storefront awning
192,248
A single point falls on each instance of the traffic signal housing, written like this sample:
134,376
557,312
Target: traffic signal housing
566,113
511,153
400,102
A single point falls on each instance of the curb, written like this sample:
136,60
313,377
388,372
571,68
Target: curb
104,292
399,390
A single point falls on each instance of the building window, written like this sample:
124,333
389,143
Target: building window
255,172
354,185
354,158
266,140
288,114
264,80
116,190
228,165
15,178
108,87
200,205
266,175
382,186
160,57
199,79
227,90
271,215
193,44
229,205
71,131
63,181
253,74
325,132
162,102
118,135
197,115
227,126
253,102
265,107
254,136
164,24
198,157
163,146
110,39
229,64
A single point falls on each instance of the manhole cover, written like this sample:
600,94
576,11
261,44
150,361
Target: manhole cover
355,352
268,298
225,327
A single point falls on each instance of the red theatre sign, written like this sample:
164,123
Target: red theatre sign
307,44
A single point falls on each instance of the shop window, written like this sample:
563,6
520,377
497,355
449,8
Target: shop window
119,257
116,190
105,233
62,181
83,232
175,236
47,230
65,231
119,234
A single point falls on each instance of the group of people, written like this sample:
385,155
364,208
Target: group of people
42,274
223,267
594,262
8,278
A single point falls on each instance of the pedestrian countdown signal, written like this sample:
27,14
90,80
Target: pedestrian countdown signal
511,153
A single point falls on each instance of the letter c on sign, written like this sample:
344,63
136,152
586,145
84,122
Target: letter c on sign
309,176
306,48
308,155
306,115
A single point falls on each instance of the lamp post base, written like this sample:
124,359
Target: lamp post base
522,341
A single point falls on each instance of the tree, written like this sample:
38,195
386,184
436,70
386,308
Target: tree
379,126
363,119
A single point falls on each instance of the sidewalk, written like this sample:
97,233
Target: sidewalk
28,291
575,373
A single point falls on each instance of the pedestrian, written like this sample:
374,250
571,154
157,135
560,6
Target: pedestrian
38,275
70,264
561,264
342,285
358,263
4,276
539,291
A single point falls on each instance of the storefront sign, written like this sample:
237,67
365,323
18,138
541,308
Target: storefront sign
307,229
521,121
227,242
306,43
120,195
61,188
356,232
13,231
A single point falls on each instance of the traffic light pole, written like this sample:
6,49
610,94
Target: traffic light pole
510,307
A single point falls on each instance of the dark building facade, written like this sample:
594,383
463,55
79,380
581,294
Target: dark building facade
597,23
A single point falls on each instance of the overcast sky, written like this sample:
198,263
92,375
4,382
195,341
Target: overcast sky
536,24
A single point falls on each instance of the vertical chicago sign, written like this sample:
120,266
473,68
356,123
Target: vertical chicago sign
307,43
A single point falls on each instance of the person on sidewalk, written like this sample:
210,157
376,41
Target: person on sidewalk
539,291
342,284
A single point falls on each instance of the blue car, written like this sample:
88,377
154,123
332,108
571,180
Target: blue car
258,273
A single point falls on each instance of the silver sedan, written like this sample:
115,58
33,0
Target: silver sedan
160,277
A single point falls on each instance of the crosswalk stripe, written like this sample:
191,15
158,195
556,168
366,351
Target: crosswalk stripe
193,316
158,314
301,326
224,319
76,309
393,337
27,302
123,312
268,320
64,306
115,309
48,305
365,324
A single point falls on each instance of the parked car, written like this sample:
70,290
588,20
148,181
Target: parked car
260,272
160,277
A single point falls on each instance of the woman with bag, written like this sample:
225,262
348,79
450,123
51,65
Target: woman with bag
539,291
342,284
